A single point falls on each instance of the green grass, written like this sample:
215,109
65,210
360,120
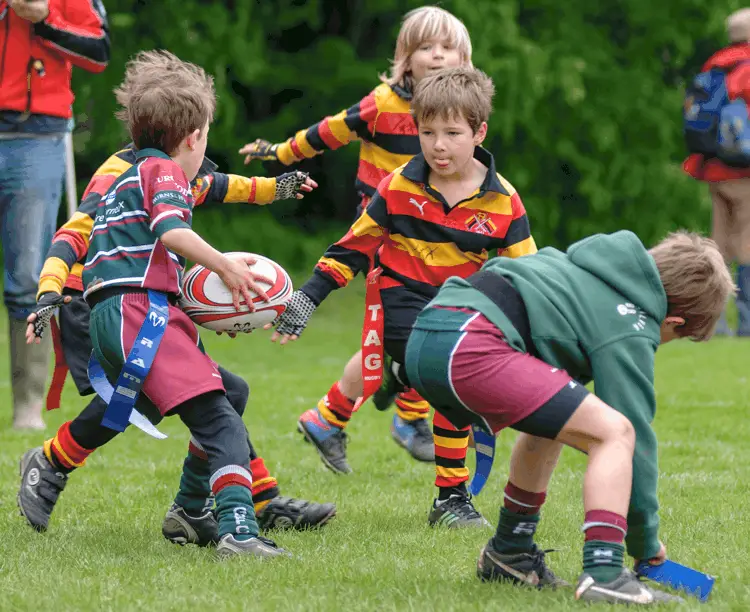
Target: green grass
104,549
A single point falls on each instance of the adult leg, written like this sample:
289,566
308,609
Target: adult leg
739,192
723,234
31,174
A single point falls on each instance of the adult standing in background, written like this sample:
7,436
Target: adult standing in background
40,42
730,186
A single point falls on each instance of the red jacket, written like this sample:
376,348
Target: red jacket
738,85
36,60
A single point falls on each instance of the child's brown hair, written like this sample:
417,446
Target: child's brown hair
452,93
696,280
164,99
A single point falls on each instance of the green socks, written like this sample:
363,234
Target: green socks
515,532
234,509
603,560
195,491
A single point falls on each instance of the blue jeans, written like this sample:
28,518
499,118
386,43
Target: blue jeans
31,180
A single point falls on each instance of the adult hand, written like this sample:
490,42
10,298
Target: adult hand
30,10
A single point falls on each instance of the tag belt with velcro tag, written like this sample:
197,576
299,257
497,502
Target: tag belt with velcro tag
373,330
122,397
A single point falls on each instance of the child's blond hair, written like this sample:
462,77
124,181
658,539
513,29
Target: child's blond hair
164,99
419,26
452,93
696,280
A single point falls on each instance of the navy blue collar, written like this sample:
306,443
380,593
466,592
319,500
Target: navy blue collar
417,170
207,167
142,153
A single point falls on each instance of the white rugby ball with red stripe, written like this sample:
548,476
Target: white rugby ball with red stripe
208,301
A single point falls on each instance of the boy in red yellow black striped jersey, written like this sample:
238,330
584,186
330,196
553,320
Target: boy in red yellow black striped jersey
430,39
435,217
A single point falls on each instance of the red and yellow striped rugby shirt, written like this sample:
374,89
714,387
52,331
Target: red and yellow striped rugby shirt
419,240
383,123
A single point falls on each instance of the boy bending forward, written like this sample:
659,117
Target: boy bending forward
506,346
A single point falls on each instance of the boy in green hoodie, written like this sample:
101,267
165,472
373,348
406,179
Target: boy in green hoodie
513,345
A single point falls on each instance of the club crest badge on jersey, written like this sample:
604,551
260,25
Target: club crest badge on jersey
480,223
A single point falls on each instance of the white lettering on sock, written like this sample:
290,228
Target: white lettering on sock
240,518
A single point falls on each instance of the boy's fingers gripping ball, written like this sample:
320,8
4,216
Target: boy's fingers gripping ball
208,301
290,184
298,312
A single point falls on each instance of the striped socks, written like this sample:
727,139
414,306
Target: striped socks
519,518
265,487
64,452
603,550
335,407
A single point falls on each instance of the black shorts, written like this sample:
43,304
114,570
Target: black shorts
550,418
400,309
76,343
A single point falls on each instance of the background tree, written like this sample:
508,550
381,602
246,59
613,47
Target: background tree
587,121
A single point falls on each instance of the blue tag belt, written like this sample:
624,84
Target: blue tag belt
122,397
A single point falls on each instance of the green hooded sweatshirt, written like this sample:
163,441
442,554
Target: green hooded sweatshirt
595,311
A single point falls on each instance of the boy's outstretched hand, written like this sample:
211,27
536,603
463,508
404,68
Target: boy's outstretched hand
293,185
38,321
259,149
241,280
293,320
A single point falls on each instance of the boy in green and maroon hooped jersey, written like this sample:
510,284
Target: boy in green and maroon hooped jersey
510,346
141,232
190,518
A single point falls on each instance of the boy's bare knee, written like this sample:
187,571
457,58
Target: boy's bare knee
620,429
594,424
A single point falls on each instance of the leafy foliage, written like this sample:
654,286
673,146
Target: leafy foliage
587,121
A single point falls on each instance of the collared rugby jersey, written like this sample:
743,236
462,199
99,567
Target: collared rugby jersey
64,263
146,201
419,240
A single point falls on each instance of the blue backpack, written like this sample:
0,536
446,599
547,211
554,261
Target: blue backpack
714,125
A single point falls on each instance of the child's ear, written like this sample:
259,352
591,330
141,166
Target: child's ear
480,134
192,139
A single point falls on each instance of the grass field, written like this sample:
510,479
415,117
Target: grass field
104,549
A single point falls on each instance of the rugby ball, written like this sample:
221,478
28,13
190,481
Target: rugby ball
208,301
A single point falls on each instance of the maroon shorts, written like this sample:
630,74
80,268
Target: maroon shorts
509,388
180,371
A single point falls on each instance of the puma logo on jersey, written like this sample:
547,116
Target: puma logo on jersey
418,205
